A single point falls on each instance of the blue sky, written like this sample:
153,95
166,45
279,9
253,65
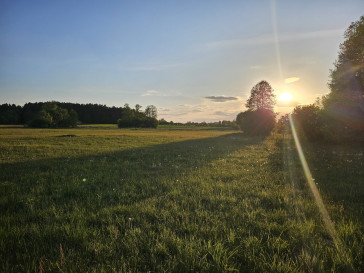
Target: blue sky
194,60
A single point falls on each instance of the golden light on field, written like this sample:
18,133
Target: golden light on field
286,96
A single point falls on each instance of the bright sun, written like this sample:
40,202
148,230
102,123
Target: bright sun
285,97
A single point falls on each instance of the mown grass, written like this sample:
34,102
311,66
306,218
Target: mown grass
94,200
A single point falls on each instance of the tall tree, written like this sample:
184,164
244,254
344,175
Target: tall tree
259,119
343,107
350,62
261,97
151,111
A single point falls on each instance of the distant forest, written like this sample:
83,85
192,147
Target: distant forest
96,114
87,113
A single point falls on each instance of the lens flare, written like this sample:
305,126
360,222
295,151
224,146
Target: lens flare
325,215
285,97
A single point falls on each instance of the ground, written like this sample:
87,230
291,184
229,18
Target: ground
189,200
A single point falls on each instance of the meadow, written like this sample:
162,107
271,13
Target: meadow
97,199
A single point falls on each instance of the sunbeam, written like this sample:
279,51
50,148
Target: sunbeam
276,41
325,215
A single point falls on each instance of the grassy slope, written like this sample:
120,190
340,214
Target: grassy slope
182,201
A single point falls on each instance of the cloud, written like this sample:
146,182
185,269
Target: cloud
287,103
291,80
151,93
221,113
220,98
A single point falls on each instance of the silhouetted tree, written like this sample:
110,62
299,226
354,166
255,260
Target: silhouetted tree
343,108
261,97
256,123
259,119
350,59
151,111
308,122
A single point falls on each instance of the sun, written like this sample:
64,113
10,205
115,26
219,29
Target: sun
285,97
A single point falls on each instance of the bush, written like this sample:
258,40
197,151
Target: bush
342,123
42,120
257,123
307,121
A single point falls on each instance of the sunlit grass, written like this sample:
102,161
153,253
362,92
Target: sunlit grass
78,200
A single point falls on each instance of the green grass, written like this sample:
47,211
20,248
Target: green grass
94,200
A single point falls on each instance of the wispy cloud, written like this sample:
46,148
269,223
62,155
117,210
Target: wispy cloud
151,93
291,80
221,113
220,98
269,38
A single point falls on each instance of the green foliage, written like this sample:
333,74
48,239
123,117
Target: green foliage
307,121
173,201
261,97
51,115
256,123
10,114
135,118
42,120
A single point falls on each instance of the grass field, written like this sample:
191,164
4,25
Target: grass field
110,200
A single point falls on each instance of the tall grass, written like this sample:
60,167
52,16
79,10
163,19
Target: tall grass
94,200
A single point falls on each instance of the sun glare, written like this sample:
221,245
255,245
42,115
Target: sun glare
285,97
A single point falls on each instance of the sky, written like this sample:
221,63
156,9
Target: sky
194,60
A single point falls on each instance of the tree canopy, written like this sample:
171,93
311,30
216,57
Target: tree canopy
350,61
51,115
259,119
261,97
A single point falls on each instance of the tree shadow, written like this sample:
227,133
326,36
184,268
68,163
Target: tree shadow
113,178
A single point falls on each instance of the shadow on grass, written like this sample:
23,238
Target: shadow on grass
337,171
44,202
122,177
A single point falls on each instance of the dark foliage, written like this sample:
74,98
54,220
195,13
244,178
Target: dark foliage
256,122
87,113
261,97
10,114
343,109
307,121
259,119
350,59
136,119
51,115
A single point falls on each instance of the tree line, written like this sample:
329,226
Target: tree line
339,115
61,114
